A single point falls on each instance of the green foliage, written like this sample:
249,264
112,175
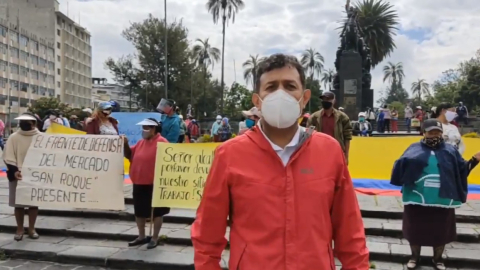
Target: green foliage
44,104
379,23
127,74
238,98
314,103
399,106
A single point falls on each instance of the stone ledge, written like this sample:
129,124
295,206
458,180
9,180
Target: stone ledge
177,233
175,257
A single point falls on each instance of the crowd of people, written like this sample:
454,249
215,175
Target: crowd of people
289,214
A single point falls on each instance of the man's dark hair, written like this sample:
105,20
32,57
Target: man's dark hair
277,61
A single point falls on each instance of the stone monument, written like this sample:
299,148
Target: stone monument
352,81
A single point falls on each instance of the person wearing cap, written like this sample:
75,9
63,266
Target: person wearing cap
290,205
183,129
433,176
252,116
14,156
333,122
225,131
74,122
142,157
362,127
341,109
101,122
215,126
170,120
53,117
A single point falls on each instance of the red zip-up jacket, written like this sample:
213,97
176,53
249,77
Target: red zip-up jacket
282,218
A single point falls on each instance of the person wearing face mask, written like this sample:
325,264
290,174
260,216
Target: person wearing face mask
288,201
142,170
101,122
433,176
445,113
215,126
170,121
14,156
53,117
362,127
332,122
252,116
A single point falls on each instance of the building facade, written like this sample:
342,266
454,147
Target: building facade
43,53
103,91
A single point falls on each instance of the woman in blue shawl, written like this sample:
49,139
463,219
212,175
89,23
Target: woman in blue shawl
433,176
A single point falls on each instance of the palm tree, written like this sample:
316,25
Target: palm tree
312,62
204,56
250,70
378,23
226,9
328,78
419,88
393,72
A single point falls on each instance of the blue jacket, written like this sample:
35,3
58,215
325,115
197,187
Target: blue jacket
171,127
454,170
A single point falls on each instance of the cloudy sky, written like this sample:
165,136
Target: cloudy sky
434,35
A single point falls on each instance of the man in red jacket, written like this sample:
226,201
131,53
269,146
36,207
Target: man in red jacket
285,189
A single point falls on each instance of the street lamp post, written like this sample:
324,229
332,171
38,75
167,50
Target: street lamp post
166,51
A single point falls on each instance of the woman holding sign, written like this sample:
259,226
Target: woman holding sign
142,170
101,122
13,156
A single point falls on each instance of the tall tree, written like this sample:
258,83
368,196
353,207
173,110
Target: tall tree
312,62
250,70
393,72
327,78
206,56
148,39
227,10
126,74
420,88
238,98
378,22
469,92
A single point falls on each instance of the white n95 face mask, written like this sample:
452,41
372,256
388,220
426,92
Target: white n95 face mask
449,115
280,109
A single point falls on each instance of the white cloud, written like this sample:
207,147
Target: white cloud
290,26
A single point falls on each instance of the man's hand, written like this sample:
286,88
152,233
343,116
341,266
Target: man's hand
346,158
18,175
477,156
125,139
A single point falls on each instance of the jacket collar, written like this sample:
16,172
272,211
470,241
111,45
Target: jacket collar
259,138
336,114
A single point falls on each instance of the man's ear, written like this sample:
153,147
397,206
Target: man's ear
307,94
256,101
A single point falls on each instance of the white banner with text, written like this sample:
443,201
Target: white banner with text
73,171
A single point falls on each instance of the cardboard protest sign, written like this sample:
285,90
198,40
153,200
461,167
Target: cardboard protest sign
180,174
73,171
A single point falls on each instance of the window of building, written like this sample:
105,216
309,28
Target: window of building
69,28
59,59
3,65
42,76
23,71
13,36
23,40
34,45
24,87
42,49
34,74
3,48
14,52
42,62
58,71
51,79
34,59
3,82
76,32
58,84
42,90
59,21
51,66
24,55
51,92
14,85
58,32
34,89
58,45
3,31
14,69
50,52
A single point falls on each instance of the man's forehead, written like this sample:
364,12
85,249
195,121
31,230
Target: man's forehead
286,73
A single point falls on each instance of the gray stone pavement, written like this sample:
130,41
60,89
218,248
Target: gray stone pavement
11,264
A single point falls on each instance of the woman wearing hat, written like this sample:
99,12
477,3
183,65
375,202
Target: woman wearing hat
142,170
101,123
13,156
433,176
252,116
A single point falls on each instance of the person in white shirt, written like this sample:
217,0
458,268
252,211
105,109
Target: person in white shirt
445,113
408,117
52,118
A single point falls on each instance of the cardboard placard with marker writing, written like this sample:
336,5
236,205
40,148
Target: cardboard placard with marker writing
180,174
73,171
